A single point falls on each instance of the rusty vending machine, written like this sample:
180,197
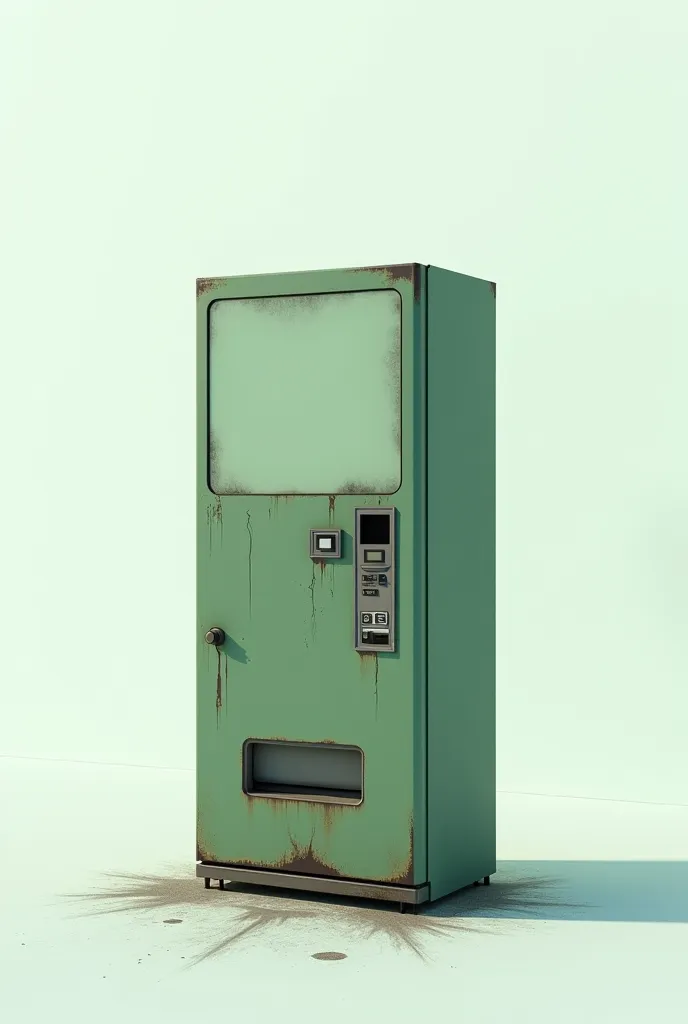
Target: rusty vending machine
346,581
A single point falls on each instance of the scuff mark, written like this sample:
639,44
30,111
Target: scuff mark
249,529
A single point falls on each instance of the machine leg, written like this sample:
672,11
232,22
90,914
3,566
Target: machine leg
207,882
221,883
476,883
486,880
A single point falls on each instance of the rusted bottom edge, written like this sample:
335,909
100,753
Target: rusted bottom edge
315,883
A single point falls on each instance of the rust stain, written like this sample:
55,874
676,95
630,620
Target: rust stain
205,284
493,288
305,859
299,859
396,272
330,510
405,875
391,272
332,811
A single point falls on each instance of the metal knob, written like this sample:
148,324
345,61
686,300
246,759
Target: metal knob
215,636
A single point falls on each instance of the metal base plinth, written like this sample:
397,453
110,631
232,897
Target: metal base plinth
314,883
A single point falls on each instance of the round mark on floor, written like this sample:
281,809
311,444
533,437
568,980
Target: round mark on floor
173,920
328,956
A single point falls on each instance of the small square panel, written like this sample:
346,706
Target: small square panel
326,544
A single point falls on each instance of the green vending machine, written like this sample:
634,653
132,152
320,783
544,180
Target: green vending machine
346,581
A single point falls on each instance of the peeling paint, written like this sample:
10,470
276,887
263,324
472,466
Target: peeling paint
214,518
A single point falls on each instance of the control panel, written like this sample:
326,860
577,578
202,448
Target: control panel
375,579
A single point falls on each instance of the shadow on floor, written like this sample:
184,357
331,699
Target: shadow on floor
520,891
642,891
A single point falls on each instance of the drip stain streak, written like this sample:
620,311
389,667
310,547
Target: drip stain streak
218,696
249,529
311,587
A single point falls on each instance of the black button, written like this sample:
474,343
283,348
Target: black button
382,579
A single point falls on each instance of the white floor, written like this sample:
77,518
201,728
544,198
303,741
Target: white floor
586,920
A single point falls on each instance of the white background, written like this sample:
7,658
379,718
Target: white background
543,146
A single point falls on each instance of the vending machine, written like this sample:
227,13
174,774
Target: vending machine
346,581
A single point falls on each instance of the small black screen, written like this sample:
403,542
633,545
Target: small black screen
375,529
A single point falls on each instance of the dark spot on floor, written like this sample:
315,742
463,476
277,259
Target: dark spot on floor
173,920
329,956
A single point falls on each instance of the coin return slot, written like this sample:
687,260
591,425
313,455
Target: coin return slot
375,637
303,771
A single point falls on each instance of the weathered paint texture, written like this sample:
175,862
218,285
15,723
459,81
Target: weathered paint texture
424,716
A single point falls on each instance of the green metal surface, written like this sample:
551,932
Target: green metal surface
461,580
287,668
